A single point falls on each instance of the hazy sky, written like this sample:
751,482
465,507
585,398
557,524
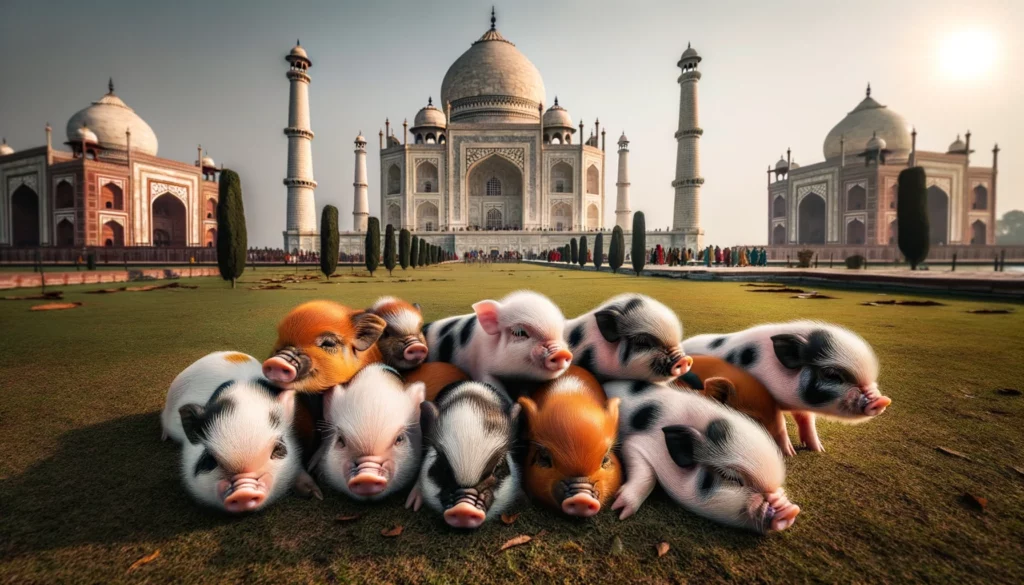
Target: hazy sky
775,74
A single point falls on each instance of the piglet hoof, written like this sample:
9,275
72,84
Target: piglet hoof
305,487
415,500
786,446
782,512
623,503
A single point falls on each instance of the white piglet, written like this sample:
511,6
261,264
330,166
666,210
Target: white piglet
371,447
714,461
238,453
506,343
808,367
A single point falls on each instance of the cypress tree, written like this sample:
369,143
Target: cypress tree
232,240
414,252
437,255
573,251
567,254
329,240
389,248
912,216
404,243
583,251
423,253
617,252
639,252
598,250
372,244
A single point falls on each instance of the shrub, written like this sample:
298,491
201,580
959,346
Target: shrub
639,252
372,247
404,244
329,240
232,241
389,248
617,252
804,258
598,250
912,216
855,262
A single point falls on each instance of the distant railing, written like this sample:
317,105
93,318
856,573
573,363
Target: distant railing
936,253
109,255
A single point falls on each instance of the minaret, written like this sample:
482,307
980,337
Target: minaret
300,227
361,202
686,215
623,216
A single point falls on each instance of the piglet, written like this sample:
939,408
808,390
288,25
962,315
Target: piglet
435,376
714,461
371,447
469,474
321,344
629,337
238,453
809,367
504,343
571,427
402,345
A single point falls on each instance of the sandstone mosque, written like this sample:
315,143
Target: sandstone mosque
850,197
110,189
489,165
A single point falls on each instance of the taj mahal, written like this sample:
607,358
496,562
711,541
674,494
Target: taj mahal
489,165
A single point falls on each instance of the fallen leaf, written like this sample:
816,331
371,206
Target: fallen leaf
617,547
55,306
144,560
1018,470
663,549
340,519
393,532
540,534
973,502
521,539
509,518
1009,392
572,545
953,453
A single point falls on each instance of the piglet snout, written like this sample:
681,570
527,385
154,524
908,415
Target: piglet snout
681,365
581,504
244,495
464,515
367,484
558,359
872,400
415,352
279,370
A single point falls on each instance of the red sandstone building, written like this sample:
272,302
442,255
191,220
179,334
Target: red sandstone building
110,189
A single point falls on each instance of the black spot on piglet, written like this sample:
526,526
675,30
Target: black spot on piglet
586,359
709,481
467,331
576,336
716,343
748,356
644,417
718,431
447,349
638,387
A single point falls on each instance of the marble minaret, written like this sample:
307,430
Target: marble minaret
686,215
361,202
300,227
623,215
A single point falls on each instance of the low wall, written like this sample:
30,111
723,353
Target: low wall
943,254
9,280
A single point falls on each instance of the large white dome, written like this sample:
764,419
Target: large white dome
109,117
493,81
868,119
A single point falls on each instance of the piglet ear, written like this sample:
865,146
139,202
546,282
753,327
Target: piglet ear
788,348
428,418
417,392
487,314
529,407
286,399
682,441
608,324
720,389
191,422
368,329
417,307
612,408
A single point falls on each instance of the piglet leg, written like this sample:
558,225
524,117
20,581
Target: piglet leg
781,435
640,484
305,487
808,431
415,499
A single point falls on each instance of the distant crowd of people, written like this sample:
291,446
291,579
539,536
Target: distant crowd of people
279,256
482,257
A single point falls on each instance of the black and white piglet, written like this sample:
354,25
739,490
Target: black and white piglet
809,368
711,459
469,473
629,337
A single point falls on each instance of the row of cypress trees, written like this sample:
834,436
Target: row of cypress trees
576,252
409,250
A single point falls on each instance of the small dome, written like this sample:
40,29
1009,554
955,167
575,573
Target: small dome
623,139
208,162
429,116
957,147
782,164
689,53
5,149
108,118
557,117
794,165
298,51
84,134
875,142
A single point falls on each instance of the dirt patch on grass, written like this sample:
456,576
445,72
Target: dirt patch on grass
781,289
811,295
55,306
990,311
926,303
48,296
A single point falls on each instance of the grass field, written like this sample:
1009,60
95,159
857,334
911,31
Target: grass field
87,488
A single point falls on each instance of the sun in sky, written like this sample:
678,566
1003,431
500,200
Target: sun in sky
968,54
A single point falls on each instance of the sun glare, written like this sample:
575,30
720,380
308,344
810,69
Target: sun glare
968,54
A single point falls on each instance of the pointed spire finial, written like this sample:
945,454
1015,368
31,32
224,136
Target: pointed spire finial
110,85
556,100
430,101
868,93
493,19
297,43
687,44
913,130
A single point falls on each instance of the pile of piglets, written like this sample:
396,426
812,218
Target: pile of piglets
467,414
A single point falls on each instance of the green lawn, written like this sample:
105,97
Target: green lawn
87,488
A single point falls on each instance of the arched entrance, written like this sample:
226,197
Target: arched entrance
499,183
426,217
168,221
856,199
779,235
111,197
65,233
211,238
394,216
25,217
561,178
811,226
65,196
779,207
894,232
426,178
979,233
394,180
494,219
855,233
593,217
938,215
113,234
561,217
593,179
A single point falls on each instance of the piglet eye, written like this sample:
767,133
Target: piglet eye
520,332
606,462
328,343
280,451
832,375
341,442
543,459
400,439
